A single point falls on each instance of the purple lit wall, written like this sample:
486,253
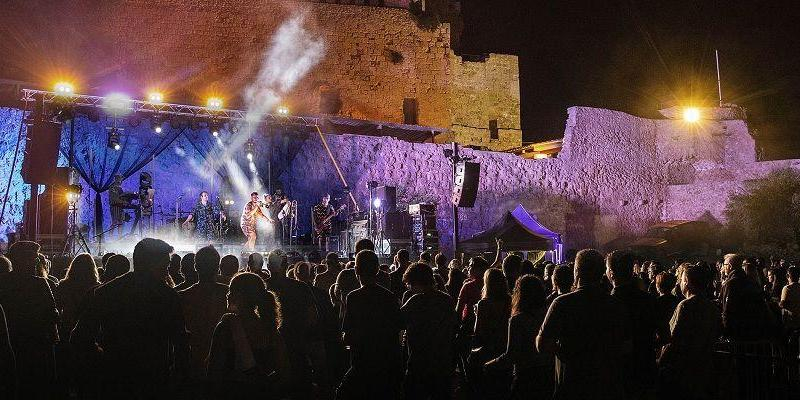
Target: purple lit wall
616,174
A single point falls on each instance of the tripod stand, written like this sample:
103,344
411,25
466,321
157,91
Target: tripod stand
75,237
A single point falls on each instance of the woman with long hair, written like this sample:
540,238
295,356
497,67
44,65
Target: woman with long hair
490,334
533,371
247,355
455,279
81,277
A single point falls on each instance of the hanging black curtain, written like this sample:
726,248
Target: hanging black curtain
98,164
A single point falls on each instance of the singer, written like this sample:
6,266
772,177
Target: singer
252,211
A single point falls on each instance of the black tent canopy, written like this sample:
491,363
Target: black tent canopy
518,230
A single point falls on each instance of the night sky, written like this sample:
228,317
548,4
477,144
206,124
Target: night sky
639,56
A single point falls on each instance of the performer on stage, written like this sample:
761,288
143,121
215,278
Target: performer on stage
204,214
252,211
120,201
321,219
279,202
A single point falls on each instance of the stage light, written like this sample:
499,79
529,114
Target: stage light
376,203
213,127
214,103
249,150
157,123
691,114
74,193
63,88
113,139
117,103
155,97
283,110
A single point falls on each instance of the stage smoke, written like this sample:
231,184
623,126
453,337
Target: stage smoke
293,52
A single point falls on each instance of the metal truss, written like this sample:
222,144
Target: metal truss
140,106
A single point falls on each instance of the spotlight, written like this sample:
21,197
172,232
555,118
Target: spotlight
157,123
376,203
117,103
283,110
248,148
691,114
213,127
155,97
74,193
113,139
214,103
63,88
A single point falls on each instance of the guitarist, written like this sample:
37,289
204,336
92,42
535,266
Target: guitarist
322,220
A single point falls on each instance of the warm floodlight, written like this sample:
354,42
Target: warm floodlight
691,114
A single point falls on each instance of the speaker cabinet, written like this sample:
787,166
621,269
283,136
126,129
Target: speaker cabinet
465,186
41,153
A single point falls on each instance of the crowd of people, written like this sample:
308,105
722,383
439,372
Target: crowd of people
288,326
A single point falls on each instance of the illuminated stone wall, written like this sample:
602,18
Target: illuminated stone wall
376,57
616,174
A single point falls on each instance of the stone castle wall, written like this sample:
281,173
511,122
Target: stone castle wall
376,57
616,175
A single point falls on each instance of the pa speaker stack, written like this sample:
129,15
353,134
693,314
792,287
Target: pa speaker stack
425,236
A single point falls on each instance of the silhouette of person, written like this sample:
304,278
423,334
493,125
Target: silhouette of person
299,317
371,326
248,356
533,371
117,265
137,321
228,267
8,365
203,305
588,331
32,319
431,322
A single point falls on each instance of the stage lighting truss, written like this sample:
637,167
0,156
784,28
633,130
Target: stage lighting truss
166,109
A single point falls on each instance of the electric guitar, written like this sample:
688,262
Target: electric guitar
325,223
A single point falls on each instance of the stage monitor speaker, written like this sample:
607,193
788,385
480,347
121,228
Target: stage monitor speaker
465,187
41,153
388,196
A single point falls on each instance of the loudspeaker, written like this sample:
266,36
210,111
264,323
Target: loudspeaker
41,153
388,196
397,225
465,187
